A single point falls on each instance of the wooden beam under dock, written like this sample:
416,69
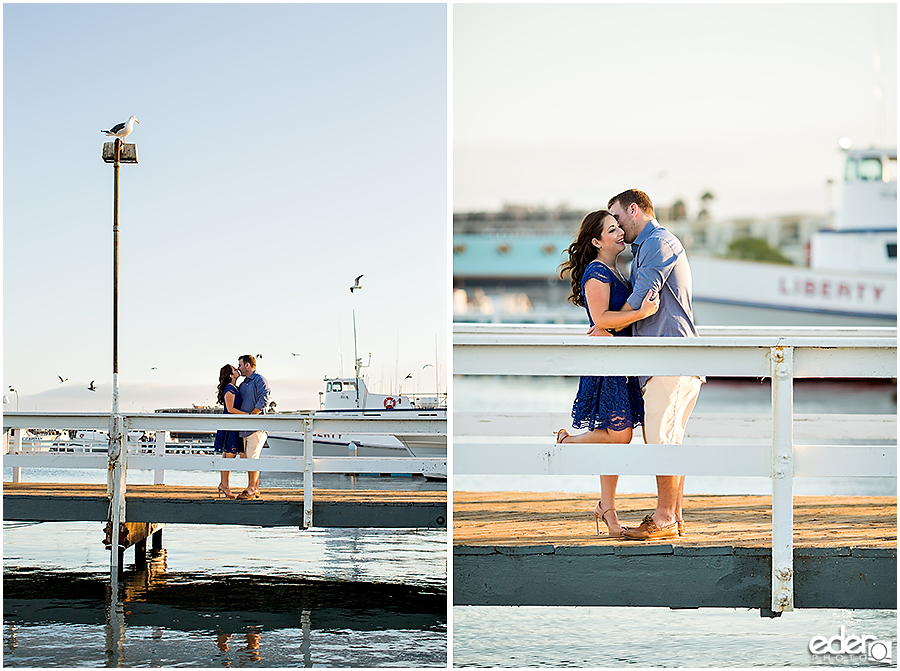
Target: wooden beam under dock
57,502
525,548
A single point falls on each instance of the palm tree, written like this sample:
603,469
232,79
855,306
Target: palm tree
704,200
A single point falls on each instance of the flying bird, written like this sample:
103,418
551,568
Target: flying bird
92,387
259,356
294,354
426,366
408,376
356,284
122,130
62,379
154,368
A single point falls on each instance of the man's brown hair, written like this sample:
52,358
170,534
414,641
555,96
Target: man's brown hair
636,197
248,358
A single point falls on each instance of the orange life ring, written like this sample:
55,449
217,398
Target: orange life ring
389,402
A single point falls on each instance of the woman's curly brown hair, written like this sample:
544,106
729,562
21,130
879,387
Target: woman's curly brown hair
224,380
582,252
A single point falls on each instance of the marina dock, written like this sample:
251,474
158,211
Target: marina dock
538,548
58,502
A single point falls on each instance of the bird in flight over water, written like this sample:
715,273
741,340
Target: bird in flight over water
356,284
92,387
62,379
122,130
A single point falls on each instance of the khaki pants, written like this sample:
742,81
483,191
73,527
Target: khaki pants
668,402
253,444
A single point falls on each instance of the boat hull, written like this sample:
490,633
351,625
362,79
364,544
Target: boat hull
753,293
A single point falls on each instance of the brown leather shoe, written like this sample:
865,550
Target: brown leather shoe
648,531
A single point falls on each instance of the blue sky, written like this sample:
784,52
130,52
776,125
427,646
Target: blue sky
573,103
284,150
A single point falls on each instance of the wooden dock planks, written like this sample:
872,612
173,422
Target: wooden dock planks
557,518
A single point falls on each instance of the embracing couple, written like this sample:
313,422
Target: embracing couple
250,398
655,301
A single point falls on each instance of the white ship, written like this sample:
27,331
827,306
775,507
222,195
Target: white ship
852,274
349,397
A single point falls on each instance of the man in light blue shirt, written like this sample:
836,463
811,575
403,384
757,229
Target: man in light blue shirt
255,394
661,266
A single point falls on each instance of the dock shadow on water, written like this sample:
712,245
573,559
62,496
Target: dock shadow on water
156,618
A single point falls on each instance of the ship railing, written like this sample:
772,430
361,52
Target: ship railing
781,355
158,457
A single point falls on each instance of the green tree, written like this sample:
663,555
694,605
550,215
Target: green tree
755,249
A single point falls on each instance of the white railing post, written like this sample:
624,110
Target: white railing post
307,473
115,488
159,450
17,449
782,362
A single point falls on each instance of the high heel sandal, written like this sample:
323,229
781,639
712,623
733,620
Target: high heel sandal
247,496
560,438
600,514
226,492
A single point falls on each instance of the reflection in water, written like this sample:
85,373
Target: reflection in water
248,653
249,620
115,627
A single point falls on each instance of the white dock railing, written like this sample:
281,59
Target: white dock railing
154,456
779,354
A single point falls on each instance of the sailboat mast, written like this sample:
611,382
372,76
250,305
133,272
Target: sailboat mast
356,361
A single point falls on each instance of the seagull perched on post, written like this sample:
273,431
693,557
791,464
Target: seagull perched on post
122,130
356,284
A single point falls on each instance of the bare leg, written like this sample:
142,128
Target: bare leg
600,436
668,488
226,475
252,482
608,485
607,482
680,498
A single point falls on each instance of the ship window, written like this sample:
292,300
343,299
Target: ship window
852,171
890,175
335,386
870,169
789,234
892,250
351,386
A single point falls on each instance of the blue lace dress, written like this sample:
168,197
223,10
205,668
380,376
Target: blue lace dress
229,441
609,402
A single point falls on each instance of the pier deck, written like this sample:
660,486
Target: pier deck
527,548
58,502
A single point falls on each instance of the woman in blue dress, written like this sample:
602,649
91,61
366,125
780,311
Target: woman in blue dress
609,407
228,442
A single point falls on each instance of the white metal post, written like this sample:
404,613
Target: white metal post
782,360
159,449
17,449
307,474
115,488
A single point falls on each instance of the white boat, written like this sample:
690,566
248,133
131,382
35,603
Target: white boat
852,274
350,398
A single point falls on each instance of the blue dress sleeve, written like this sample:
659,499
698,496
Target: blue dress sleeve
596,271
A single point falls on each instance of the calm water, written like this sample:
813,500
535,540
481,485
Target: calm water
227,596
532,636
658,637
